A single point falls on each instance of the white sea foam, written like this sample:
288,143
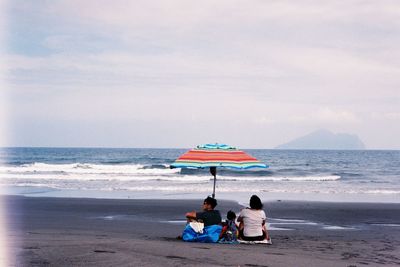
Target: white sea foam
151,176
140,178
108,218
136,169
84,168
132,172
294,222
386,224
383,191
287,220
276,221
180,184
107,177
283,178
298,223
334,227
272,228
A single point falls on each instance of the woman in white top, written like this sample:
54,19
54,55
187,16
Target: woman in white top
252,221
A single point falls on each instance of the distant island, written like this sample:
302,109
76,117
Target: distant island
324,139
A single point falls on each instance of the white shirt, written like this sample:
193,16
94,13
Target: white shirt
252,220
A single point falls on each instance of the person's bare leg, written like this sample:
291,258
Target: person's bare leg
266,232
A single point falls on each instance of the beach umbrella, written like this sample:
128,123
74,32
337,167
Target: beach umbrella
217,155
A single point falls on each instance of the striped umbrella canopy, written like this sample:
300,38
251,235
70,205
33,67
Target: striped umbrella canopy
217,155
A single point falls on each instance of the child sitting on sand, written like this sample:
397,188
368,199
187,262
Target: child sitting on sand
229,233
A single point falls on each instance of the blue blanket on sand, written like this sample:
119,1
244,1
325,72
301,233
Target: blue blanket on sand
210,234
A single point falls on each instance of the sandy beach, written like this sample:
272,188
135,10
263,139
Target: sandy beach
99,232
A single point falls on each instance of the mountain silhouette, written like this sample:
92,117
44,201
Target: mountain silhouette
324,139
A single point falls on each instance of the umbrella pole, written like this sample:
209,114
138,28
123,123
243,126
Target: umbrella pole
213,194
213,171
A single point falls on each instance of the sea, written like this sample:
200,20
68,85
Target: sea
306,175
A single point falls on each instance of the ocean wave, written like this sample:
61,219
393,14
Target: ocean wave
229,172
383,191
348,174
101,177
283,178
156,166
86,168
142,172
186,187
143,175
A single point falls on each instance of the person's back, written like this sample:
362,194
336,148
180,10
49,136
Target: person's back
252,221
209,217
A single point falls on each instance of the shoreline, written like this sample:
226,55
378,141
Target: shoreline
104,232
241,197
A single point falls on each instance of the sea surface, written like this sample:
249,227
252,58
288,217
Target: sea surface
316,175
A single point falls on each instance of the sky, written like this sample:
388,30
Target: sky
253,74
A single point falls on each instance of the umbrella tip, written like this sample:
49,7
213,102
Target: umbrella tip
216,146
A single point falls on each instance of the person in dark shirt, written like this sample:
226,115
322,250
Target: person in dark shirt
208,216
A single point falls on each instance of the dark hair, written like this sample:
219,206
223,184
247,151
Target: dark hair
255,203
231,215
211,201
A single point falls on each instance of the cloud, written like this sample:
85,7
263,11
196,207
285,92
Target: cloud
3,102
259,64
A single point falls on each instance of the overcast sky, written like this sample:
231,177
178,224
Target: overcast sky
253,74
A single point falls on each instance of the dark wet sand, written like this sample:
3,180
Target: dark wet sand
104,232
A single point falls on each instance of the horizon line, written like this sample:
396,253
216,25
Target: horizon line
287,149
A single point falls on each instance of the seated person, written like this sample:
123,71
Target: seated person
252,221
210,218
229,233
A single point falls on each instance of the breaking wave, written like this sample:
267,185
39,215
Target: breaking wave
133,172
